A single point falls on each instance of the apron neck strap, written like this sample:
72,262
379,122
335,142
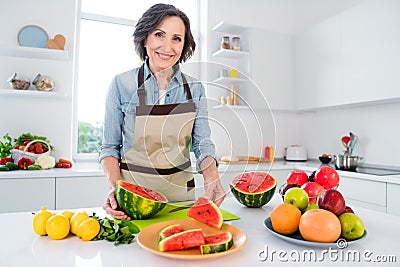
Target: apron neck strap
141,92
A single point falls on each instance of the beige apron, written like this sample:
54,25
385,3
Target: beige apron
160,157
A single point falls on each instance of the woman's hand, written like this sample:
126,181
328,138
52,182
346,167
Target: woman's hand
111,206
213,189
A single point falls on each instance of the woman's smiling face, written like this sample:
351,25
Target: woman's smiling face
165,44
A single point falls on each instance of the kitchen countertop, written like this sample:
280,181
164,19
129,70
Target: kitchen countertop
95,169
19,246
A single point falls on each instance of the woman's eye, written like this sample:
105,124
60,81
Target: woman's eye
178,39
158,34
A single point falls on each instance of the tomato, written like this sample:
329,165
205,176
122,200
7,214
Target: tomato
58,165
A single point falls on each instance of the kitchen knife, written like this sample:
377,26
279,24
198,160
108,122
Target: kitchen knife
181,208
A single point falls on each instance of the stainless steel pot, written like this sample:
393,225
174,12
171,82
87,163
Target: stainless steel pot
346,162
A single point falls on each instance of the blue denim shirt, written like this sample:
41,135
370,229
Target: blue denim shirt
120,112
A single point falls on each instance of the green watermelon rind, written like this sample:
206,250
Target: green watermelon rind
161,234
219,247
137,207
254,200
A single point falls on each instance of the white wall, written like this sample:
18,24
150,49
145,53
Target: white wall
50,117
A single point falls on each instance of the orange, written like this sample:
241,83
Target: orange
285,218
320,225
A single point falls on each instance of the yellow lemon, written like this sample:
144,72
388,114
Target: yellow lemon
57,227
76,220
89,229
39,221
67,214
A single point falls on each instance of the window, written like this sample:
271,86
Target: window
105,48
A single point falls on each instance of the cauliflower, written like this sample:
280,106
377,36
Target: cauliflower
45,161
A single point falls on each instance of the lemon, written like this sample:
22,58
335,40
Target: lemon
67,214
39,221
76,220
57,227
89,229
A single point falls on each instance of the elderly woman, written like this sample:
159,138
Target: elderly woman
152,114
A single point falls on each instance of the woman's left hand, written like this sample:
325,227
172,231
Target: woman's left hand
213,189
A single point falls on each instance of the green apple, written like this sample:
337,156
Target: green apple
352,226
311,207
297,197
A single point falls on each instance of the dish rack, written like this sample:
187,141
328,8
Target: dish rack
17,154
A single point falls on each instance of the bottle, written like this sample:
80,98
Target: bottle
235,95
225,43
236,43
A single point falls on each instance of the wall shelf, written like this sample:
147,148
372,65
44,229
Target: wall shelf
226,107
230,80
32,52
228,53
228,28
32,93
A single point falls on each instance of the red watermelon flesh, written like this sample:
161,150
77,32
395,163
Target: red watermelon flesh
253,182
206,211
183,240
143,192
170,230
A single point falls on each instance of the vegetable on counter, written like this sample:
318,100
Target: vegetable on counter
3,161
25,138
24,163
34,167
63,163
117,231
45,162
6,146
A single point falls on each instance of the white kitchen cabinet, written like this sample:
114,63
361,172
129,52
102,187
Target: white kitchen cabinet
363,193
81,192
18,194
318,65
393,199
371,54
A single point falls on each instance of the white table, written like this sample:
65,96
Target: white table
19,246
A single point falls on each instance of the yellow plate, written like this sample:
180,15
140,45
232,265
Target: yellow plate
148,239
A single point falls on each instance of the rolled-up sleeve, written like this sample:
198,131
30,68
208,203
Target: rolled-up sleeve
113,121
201,141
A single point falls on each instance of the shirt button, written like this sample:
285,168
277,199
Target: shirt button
167,95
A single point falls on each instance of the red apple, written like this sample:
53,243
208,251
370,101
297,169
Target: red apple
313,190
327,177
333,201
348,209
297,177
285,188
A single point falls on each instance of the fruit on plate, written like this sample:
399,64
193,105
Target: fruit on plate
314,190
139,202
311,207
183,240
39,221
297,197
206,211
253,189
333,201
319,225
57,227
170,230
297,177
285,218
217,243
327,177
352,226
348,209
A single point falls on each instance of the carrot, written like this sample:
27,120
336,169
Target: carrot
61,160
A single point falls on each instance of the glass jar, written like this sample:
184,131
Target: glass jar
19,81
225,43
236,43
43,83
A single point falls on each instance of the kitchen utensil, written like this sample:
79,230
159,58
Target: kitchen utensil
353,141
346,162
181,208
296,153
345,142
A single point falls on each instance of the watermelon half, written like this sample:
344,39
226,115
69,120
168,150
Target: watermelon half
139,202
217,243
253,189
170,230
183,240
206,211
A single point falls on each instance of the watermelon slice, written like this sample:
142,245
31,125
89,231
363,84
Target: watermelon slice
217,243
206,211
139,202
170,230
183,240
253,189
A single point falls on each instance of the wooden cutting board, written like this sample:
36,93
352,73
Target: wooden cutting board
242,160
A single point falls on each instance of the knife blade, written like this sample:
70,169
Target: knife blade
181,208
